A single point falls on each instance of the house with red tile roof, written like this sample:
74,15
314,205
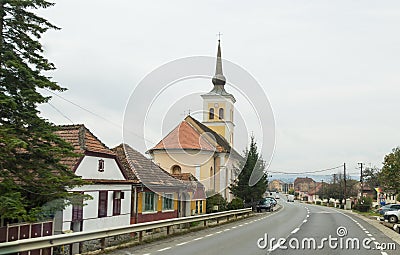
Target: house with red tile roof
108,184
157,195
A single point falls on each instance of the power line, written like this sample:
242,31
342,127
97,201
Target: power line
306,172
65,116
95,114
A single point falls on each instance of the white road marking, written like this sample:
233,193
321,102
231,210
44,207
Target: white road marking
369,235
179,244
146,254
234,227
366,232
304,221
373,238
241,225
226,229
384,253
198,238
295,230
164,249
209,235
219,232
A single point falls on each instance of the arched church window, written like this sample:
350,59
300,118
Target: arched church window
176,169
211,114
221,113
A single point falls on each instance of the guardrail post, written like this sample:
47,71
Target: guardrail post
168,230
217,220
102,243
205,223
140,236
227,218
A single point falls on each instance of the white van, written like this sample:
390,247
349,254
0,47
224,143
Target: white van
290,198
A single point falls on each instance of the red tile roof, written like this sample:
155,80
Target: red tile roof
184,136
195,185
145,170
83,141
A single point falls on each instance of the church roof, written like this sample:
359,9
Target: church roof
192,134
184,136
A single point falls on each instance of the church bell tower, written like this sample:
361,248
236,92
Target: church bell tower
218,105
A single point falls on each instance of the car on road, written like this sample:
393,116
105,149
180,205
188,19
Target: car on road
272,200
389,207
277,196
265,205
290,198
392,216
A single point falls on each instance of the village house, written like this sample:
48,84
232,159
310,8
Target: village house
108,184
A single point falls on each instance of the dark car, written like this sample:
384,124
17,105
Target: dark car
390,207
265,205
272,200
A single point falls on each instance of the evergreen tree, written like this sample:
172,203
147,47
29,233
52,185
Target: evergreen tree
30,170
241,188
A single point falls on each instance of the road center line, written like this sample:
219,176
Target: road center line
164,249
179,244
198,238
295,230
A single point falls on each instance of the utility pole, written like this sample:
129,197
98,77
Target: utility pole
361,178
344,178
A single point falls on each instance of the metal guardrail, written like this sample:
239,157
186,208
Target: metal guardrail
76,237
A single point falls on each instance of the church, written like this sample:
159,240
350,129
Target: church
204,149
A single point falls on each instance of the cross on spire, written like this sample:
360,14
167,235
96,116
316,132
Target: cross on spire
219,36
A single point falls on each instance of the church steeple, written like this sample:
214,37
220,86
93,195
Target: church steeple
219,78
218,105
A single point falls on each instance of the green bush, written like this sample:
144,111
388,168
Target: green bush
214,200
362,207
236,203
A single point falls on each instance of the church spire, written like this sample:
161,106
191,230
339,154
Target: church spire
219,78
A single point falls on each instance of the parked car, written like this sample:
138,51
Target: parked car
392,216
389,207
272,200
277,196
290,198
265,205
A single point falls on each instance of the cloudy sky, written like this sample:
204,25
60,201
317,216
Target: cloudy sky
329,68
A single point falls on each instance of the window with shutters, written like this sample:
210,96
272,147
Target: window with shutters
77,208
103,198
117,197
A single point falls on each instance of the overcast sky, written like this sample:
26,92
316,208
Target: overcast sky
329,68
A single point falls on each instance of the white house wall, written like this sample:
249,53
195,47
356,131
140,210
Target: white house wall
88,169
90,210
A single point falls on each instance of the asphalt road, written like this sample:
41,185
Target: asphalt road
294,222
